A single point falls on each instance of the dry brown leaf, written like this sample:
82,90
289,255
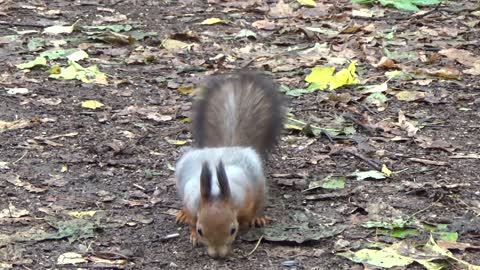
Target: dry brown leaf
385,62
464,57
405,125
281,10
429,162
456,245
264,25
429,143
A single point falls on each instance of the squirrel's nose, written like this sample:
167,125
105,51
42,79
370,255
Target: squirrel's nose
219,252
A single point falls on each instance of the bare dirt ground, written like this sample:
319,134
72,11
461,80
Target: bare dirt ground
64,160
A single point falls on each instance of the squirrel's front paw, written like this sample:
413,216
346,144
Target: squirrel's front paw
181,216
193,236
260,221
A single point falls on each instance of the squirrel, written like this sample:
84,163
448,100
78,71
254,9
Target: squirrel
236,122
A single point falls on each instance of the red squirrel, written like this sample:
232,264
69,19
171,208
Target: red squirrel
236,122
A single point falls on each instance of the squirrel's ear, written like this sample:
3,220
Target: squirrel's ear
223,182
205,182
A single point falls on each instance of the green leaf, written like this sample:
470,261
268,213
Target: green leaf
35,43
58,53
398,75
425,2
328,183
386,258
403,232
38,61
75,71
380,97
448,236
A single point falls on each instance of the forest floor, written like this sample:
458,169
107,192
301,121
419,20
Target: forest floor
389,167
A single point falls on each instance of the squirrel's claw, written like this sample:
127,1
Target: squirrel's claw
260,221
181,217
193,237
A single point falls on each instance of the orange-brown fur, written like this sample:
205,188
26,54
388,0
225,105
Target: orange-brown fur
241,110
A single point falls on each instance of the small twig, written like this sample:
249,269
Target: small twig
256,246
370,162
24,154
328,136
364,106
426,208
358,122
139,187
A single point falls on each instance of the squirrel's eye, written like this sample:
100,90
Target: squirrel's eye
199,231
233,230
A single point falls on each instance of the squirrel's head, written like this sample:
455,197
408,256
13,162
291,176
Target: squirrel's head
217,224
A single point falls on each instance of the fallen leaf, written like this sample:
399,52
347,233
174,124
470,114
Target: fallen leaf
17,91
406,125
176,142
429,162
13,212
281,10
429,143
17,124
464,57
373,174
308,3
175,45
328,183
211,21
77,55
70,258
385,62
264,25
82,214
58,29
38,61
410,95
386,170
91,104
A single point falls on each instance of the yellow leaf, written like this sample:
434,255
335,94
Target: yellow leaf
174,45
320,76
64,168
386,170
187,90
345,77
91,104
176,142
211,21
308,3
82,214
410,95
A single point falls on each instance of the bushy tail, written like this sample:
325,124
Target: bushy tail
238,110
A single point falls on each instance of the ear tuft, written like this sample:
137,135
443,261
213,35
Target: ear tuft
223,182
205,182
